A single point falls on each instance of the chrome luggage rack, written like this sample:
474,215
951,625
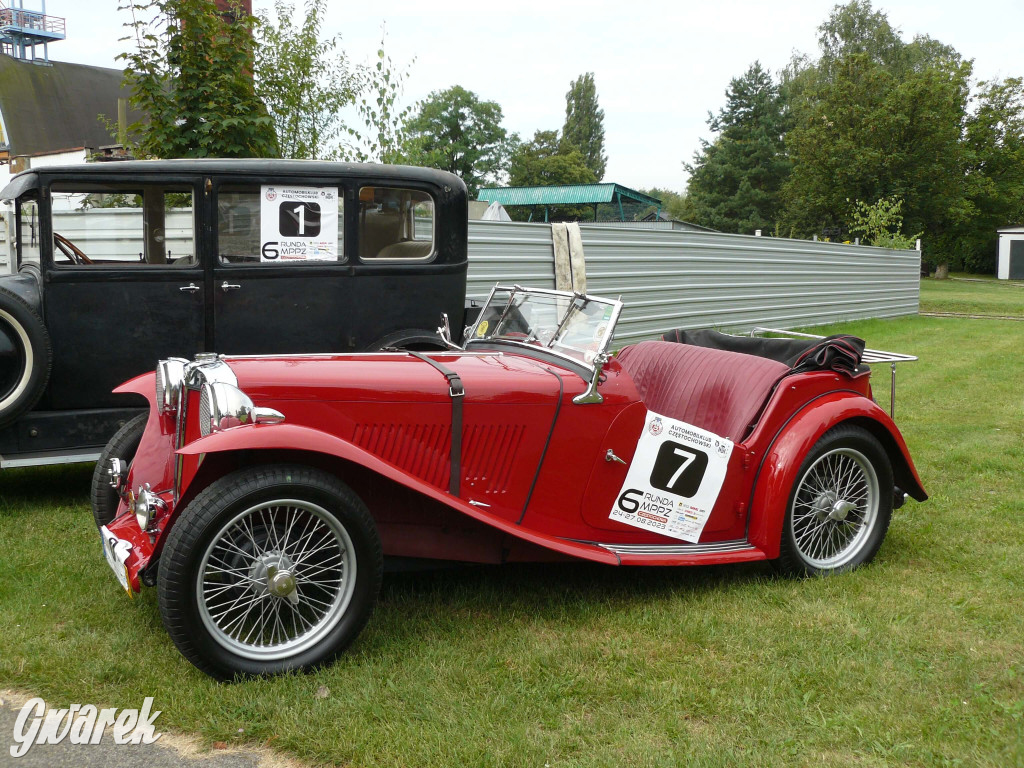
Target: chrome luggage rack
870,357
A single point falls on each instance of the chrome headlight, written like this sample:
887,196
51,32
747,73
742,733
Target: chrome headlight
145,504
170,375
222,406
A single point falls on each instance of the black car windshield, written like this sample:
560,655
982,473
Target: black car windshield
575,326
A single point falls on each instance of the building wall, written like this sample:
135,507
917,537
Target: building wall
71,157
1003,261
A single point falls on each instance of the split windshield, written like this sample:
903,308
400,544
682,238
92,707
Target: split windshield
571,325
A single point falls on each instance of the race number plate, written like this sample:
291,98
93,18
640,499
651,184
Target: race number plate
116,551
674,479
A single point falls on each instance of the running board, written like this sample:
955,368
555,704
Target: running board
685,554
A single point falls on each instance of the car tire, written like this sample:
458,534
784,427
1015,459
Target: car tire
25,357
840,506
229,551
123,446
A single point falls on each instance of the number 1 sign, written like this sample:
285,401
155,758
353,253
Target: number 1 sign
298,224
674,479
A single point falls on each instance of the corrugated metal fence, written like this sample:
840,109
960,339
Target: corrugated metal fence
674,279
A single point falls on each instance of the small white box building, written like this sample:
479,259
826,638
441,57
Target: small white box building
1010,265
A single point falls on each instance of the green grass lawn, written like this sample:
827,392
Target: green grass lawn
916,659
973,296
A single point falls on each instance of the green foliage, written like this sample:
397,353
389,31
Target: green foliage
877,118
304,80
384,134
547,161
190,75
735,181
455,131
880,224
584,124
993,148
677,205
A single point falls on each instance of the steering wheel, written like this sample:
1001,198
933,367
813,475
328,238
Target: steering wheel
71,251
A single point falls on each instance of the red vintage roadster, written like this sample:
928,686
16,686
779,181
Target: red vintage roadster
261,494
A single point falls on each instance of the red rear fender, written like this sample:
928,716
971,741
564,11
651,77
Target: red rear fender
785,454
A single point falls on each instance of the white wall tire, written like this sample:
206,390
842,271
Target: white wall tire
25,357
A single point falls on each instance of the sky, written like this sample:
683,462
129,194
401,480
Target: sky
659,67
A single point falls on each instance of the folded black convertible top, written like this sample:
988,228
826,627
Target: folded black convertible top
841,352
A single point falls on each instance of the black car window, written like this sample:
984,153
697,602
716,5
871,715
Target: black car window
27,239
395,224
127,225
280,224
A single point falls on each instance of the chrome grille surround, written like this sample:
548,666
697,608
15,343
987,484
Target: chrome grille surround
170,376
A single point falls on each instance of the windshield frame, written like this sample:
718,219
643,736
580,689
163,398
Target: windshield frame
533,346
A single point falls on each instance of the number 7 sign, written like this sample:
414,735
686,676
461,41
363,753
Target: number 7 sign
674,479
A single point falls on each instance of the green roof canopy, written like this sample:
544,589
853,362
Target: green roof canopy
567,194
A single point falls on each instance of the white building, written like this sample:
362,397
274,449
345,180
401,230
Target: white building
1010,264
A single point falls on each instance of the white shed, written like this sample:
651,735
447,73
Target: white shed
1010,265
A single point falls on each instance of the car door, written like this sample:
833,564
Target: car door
280,277
288,277
123,283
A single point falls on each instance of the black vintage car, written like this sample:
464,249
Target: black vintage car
118,265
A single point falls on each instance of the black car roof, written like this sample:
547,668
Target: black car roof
244,167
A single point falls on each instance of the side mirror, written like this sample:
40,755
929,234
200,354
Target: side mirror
445,332
591,395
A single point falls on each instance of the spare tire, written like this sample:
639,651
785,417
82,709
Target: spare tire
25,357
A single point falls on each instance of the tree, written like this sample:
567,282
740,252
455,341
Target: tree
736,181
384,133
881,223
544,162
456,132
190,74
304,80
994,178
677,206
584,124
877,118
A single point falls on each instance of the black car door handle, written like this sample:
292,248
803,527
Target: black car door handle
226,286
190,288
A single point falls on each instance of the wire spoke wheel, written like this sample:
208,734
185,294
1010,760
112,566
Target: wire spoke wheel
840,507
269,569
835,507
276,578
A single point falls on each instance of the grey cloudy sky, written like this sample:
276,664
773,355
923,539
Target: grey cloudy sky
659,67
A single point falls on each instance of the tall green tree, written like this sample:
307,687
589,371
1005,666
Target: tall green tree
455,131
877,118
584,124
994,172
736,180
190,74
305,80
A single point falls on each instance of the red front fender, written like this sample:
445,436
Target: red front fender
290,437
785,454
